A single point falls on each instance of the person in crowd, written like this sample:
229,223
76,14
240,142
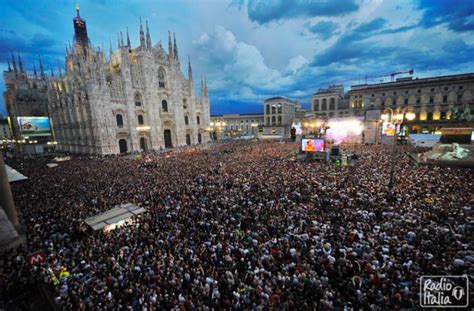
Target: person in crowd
242,227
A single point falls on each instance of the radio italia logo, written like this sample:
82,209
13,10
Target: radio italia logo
444,291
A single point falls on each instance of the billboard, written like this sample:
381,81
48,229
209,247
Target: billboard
312,145
34,126
388,129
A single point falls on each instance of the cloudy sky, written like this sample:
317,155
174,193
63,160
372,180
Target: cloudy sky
251,50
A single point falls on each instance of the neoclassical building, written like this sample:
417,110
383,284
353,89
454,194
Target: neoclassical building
134,99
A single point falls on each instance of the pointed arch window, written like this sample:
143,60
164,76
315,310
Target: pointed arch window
164,105
186,120
161,78
141,121
138,99
119,119
198,120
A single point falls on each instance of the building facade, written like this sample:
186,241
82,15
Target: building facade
237,125
279,115
5,132
136,99
330,102
431,99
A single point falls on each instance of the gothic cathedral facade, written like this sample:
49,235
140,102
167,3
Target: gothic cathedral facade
136,99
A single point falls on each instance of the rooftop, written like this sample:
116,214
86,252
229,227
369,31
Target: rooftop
416,81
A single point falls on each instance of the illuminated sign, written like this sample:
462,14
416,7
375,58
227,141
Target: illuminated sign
388,129
34,126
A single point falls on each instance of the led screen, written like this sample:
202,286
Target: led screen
312,145
34,126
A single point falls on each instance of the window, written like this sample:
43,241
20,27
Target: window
429,116
419,91
445,88
138,99
383,94
140,120
198,120
279,120
324,106
185,104
394,93
418,101
268,120
459,98
432,90
186,120
445,98
119,119
431,100
188,139
316,105
268,108
164,105
406,92
161,77
280,109
461,87
373,94
361,104
273,120
406,101
273,109
332,104
443,115
383,104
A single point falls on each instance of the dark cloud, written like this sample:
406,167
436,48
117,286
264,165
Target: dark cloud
31,48
324,29
457,14
351,47
263,11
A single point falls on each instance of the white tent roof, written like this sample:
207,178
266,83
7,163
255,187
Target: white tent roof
14,175
114,215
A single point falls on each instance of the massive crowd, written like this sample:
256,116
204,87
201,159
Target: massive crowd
243,226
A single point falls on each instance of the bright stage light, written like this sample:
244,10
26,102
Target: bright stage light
341,130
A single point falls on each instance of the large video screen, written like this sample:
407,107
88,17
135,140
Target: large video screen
312,145
388,129
34,126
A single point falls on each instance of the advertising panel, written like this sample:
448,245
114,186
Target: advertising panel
34,126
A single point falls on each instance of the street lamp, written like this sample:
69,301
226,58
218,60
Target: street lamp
397,119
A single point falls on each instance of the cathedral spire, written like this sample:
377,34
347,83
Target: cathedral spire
41,67
190,70
142,36
205,87
148,37
20,62
118,40
202,86
67,50
9,68
121,39
14,62
111,51
128,40
59,70
170,46
175,47
34,70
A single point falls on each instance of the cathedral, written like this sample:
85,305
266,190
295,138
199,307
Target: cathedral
135,99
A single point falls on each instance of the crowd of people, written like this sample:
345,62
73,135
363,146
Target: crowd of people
243,226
